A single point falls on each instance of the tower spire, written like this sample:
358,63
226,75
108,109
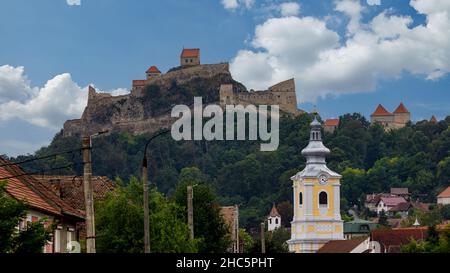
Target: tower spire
315,152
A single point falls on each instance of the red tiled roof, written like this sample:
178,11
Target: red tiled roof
401,109
402,207
341,246
400,191
445,193
392,201
434,120
70,188
25,188
153,69
190,53
391,240
331,122
139,82
274,212
381,111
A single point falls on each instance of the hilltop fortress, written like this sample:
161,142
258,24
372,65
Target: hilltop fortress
147,108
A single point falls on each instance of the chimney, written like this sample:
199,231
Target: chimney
55,184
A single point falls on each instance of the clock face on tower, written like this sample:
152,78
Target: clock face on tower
323,179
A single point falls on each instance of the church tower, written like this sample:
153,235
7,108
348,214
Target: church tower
317,216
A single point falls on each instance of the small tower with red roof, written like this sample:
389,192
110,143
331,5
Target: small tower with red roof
401,116
434,120
190,57
382,116
152,72
274,219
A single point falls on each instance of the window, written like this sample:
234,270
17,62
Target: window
276,221
323,199
270,221
300,199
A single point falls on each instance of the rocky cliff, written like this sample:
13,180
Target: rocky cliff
147,109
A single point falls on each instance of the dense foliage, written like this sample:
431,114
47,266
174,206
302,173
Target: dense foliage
370,159
436,242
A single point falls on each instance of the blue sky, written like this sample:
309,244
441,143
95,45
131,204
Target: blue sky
51,51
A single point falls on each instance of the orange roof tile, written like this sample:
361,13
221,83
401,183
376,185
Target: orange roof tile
381,111
434,120
331,122
274,212
342,246
153,69
190,53
401,109
24,187
445,193
139,82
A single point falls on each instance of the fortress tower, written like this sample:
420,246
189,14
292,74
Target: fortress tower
396,120
317,217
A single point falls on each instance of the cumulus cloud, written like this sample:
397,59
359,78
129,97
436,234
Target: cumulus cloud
324,63
73,2
374,2
49,106
290,9
234,4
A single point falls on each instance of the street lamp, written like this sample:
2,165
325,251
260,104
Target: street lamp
145,185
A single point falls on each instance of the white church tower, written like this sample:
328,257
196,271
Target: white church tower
317,217
274,219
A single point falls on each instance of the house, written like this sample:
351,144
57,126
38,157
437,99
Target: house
190,57
230,215
357,245
401,209
391,240
444,197
387,203
358,228
274,219
152,72
42,203
402,192
330,125
372,201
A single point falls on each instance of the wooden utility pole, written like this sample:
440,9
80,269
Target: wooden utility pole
236,228
88,195
263,239
146,208
190,207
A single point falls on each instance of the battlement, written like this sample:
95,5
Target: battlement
282,94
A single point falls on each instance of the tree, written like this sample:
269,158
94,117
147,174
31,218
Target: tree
30,240
120,222
209,226
276,241
382,220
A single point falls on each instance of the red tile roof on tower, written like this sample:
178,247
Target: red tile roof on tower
153,69
190,53
445,193
401,109
381,111
25,188
331,122
434,120
139,82
274,212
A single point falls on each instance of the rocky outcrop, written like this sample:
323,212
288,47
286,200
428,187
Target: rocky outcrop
147,108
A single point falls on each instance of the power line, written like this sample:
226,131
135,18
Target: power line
39,158
42,171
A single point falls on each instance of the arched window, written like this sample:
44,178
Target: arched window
300,199
276,221
323,199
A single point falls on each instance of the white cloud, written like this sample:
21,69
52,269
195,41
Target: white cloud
73,2
48,106
234,4
323,63
374,2
290,9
